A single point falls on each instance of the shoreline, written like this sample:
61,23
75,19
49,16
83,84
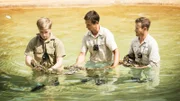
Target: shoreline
82,3
84,6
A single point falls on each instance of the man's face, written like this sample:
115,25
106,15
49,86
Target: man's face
138,29
90,26
45,33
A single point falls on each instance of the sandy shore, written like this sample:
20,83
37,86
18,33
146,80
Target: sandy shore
62,3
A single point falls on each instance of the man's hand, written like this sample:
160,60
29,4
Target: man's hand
110,67
113,66
60,69
139,66
115,69
51,69
56,70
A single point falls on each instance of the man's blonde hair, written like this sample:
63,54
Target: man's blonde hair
44,23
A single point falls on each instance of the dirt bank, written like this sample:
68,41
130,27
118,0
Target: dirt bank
62,3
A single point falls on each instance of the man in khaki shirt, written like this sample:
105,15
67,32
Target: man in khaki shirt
146,52
44,48
100,43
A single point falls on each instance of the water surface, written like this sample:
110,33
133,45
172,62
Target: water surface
18,26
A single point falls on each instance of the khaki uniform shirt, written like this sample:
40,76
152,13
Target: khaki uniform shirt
149,50
104,40
37,47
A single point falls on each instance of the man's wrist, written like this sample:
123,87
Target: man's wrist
54,68
51,69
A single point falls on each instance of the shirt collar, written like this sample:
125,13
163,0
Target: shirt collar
145,40
52,37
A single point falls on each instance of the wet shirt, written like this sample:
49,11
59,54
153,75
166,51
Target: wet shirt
37,48
105,43
146,53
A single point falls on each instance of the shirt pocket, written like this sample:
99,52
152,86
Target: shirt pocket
145,51
135,48
51,50
89,44
145,54
102,45
101,42
38,49
51,53
38,52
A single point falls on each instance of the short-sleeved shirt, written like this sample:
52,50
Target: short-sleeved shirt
149,50
52,46
106,43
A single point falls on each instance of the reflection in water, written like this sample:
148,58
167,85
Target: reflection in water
68,25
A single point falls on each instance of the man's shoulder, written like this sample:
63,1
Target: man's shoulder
134,40
87,34
34,39
54,38
57,40
151,40
105,32
104,29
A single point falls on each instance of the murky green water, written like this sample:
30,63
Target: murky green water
69,26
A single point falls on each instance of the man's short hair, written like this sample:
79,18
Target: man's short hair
44,23
93,16
145,22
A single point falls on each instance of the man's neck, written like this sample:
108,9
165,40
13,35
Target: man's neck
45,40
142,37
95,32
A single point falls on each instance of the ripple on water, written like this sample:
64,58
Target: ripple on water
121,24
